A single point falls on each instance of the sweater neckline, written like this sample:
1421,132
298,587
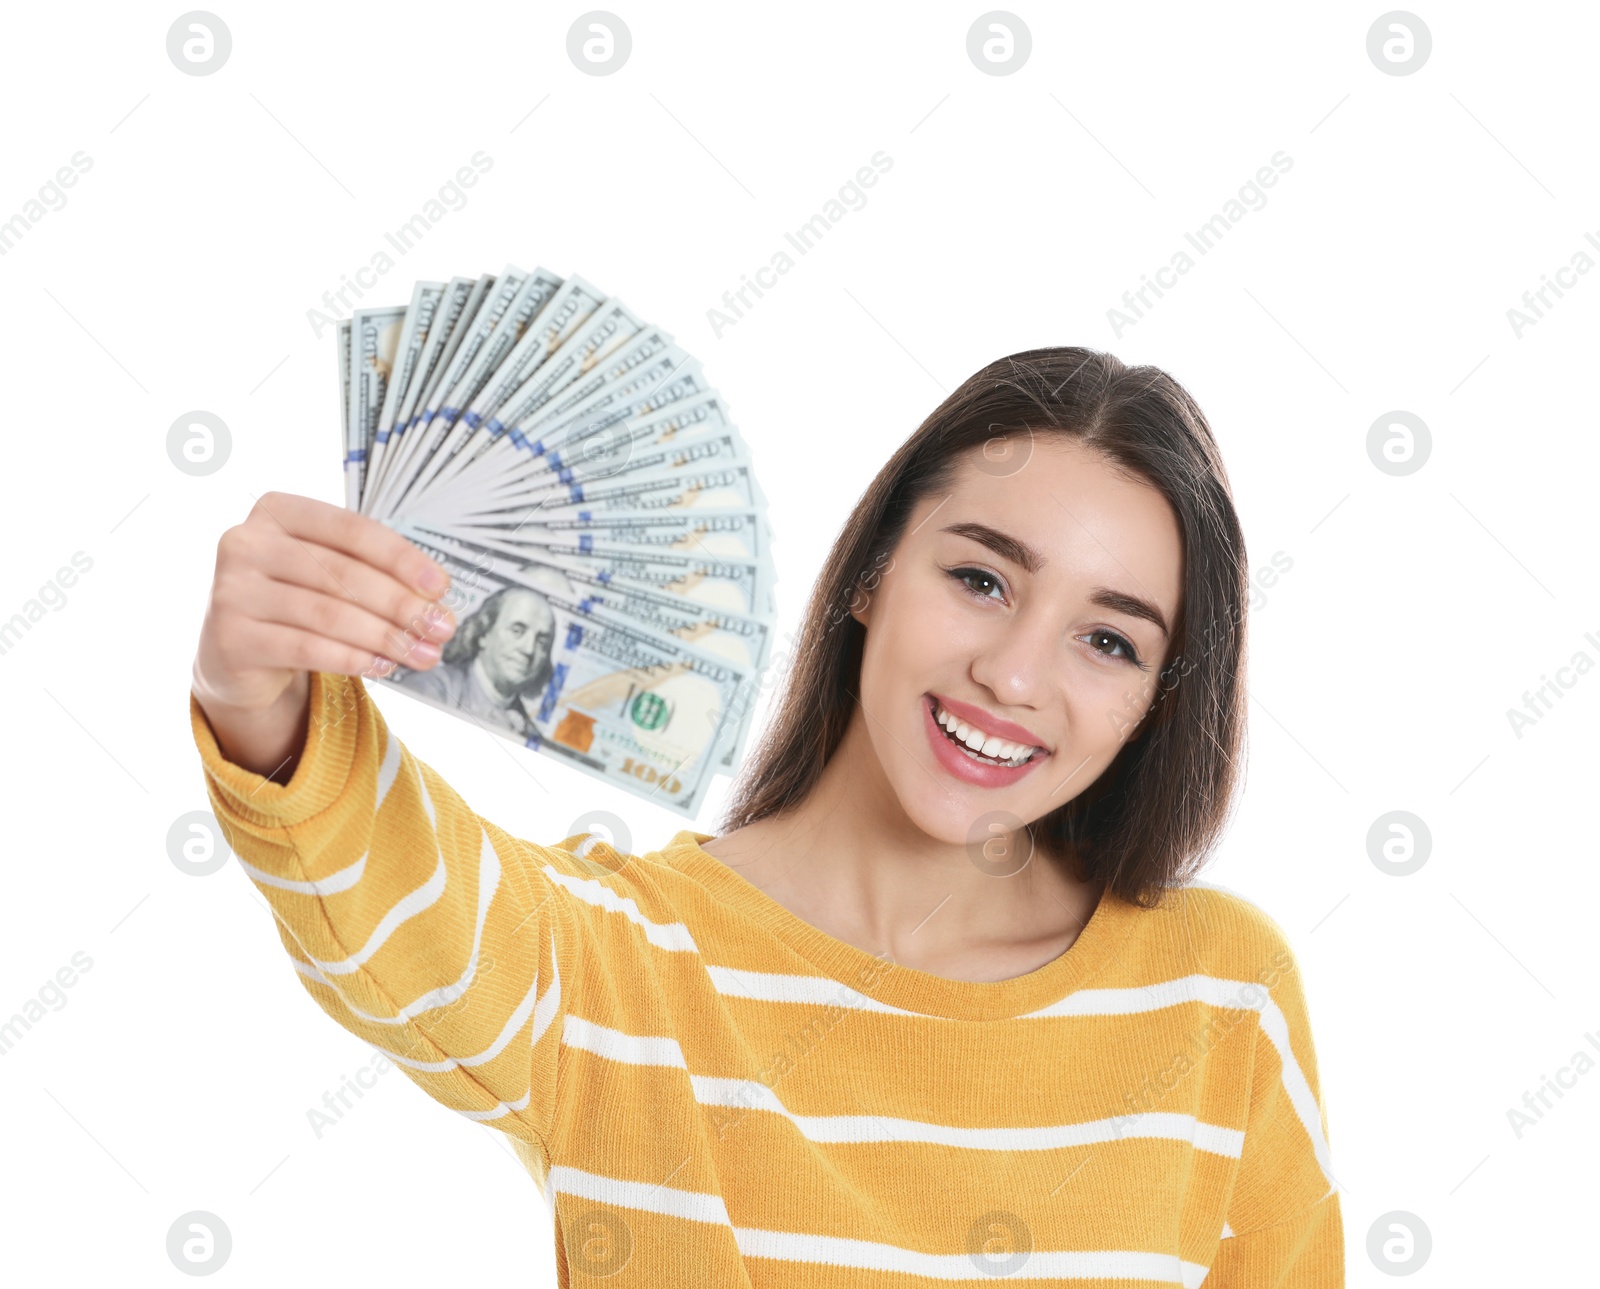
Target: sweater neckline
908,988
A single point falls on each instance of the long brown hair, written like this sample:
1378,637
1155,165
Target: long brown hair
1151,819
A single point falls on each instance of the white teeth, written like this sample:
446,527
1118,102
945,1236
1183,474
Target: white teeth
997,749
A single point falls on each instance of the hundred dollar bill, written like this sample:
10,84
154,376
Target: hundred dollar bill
590,451
616,700
419,316
625,391
374,339
678,491
723,534
691,434
607,330
604,347
573,354
441,406
454,316
741,639
535,291
535,294
342,353
568,310
661,380
652,357
720,534
570,317
507,289
447,309
588,468
743,585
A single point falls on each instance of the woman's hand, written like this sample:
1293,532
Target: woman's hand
304,586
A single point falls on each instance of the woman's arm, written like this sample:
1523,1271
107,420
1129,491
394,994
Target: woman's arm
267,740
1285,1225
1304,1252
418,926
421,928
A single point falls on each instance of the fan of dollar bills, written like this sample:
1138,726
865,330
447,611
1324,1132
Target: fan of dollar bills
596,508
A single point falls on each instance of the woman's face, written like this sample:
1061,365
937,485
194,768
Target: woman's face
1034,607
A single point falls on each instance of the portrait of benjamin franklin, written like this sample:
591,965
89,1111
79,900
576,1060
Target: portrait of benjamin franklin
497,663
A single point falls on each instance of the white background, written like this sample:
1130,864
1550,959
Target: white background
1019,208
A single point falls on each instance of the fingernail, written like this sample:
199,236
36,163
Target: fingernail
423,651
439,621
434,580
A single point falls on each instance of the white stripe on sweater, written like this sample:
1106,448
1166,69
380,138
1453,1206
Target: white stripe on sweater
634,1049
544,1009
350,874
547,1010
781,987
672,936
625,1049
1221,993
869,1128
868,1255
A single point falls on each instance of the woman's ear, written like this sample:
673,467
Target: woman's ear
860,605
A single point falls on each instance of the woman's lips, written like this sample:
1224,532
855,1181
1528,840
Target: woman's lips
962,766
987,723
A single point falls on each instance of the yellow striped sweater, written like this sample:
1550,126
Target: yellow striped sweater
710,1091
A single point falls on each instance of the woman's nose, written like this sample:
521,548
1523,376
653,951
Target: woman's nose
1020,661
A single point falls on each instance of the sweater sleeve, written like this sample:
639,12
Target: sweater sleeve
1285,1227
1305,1252
420,927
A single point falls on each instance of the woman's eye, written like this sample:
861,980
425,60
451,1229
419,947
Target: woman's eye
973,578
1117,642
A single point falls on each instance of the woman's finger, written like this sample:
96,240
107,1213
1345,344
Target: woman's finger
283,646
271,553
338,620
357,535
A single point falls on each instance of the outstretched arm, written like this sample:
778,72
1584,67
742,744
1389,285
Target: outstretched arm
417,925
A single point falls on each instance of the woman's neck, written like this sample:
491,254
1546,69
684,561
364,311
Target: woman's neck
848,861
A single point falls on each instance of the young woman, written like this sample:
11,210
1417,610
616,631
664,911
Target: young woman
945,1001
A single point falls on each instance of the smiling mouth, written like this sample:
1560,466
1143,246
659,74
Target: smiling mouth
1007,753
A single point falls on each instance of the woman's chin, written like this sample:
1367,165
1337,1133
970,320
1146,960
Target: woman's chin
959,815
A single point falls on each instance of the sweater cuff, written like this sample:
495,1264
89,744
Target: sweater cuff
333,731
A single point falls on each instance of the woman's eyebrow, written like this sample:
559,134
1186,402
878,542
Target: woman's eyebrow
1003,545
1026,557
1132,605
